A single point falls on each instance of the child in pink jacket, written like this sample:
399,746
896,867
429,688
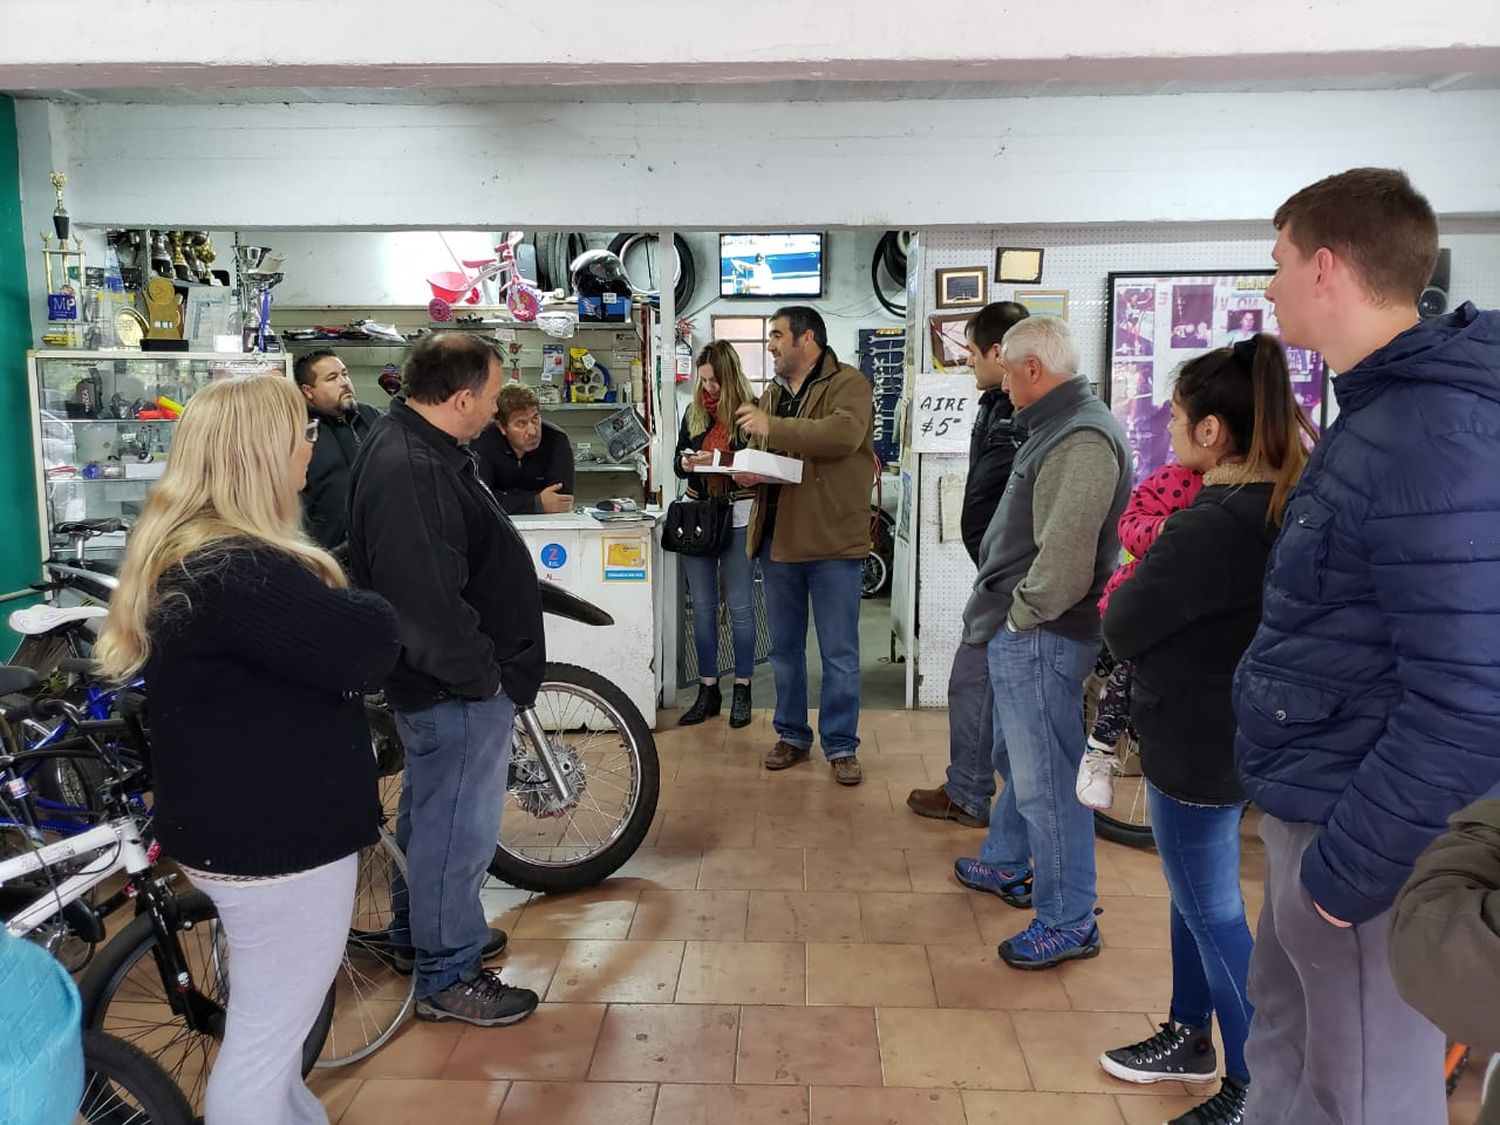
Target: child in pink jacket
1170,489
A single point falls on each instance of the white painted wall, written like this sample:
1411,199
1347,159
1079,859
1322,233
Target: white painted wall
1191,157
316,42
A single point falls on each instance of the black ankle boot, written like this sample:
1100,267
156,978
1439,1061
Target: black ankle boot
739,710
708,704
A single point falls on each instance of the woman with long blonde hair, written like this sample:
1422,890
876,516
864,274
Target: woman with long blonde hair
708,426
255,654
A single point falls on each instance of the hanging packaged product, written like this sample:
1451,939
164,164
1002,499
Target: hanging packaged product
554,362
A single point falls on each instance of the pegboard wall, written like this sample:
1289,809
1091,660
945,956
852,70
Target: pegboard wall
1079,259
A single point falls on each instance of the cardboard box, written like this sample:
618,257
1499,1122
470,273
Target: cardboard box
772,466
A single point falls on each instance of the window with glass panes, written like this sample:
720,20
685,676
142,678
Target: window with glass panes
747,335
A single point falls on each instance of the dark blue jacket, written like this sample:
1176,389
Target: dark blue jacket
1369,701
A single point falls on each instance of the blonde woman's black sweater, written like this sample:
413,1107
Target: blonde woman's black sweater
260,751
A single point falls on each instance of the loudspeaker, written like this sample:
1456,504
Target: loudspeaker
1434,299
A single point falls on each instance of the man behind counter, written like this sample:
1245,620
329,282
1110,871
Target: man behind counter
527,463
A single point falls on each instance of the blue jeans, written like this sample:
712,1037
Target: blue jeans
703,584
1037,822
1199,847
448,822
971,731
833,587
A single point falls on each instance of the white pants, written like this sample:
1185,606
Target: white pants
286,942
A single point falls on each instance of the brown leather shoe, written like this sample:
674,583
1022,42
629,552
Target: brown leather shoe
846,770
784,754
936,804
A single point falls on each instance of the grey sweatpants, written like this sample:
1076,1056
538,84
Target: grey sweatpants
286,941
1331,1042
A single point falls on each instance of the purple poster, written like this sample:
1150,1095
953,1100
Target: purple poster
1198,313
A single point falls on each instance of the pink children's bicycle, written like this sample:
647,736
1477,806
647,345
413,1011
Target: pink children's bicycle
449,287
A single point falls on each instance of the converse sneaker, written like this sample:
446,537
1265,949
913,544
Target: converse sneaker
1096,779
1174,1054
1012,886
1227,1107
484,1001
1040,946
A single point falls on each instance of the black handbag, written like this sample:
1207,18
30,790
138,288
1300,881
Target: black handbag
698,527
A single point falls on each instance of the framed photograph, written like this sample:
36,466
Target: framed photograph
950,345
1159,321
962,287
1044,302
1018,265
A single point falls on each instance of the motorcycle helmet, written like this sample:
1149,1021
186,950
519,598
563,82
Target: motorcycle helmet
597,272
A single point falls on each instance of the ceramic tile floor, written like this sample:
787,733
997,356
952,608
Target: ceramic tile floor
787,951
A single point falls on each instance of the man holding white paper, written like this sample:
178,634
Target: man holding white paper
811,537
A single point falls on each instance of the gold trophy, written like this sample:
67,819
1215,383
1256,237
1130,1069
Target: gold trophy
63,270
179,261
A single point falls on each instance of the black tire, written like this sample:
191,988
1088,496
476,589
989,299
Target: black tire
895,244
574,873
879,260
880,562
687,272
122,1083
1121,832
124,977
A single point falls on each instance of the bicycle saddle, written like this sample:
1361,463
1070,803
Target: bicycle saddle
14,678
37,619
91,527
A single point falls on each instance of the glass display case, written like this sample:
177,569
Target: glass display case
103,428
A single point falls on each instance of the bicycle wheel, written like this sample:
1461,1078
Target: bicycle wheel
602,741
123,995
1127,821
371,998
122,1085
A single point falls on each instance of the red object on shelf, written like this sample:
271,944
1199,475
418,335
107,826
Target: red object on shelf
153,415
453,287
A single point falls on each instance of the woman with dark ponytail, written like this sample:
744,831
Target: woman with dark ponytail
1183,620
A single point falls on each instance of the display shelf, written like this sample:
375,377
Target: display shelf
113,421
597,468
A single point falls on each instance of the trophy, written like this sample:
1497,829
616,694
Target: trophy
64,273
260,272
180,268
161,255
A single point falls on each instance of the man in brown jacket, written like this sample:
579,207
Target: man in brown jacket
811,538
1445,935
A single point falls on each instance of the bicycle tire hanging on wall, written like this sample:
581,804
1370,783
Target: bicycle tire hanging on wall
890,253
687,273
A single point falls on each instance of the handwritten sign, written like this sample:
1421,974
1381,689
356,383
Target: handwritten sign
942,416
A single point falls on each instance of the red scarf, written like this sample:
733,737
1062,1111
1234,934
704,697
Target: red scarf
718,434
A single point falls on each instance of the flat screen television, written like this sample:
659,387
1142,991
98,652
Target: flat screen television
771,265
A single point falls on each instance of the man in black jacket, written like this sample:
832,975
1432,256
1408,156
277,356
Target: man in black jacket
427,534
966,794
528,463
343,425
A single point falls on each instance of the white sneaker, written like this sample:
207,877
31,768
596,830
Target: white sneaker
1096,780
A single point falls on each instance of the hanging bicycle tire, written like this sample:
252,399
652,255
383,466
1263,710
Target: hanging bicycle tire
605,747
879,261
686,279
1127,821
122,995
122,1085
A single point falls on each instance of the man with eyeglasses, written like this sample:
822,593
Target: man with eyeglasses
339,424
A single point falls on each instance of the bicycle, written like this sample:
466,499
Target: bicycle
450,287
188,991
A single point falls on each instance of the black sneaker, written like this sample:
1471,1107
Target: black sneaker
484,1001
1227,1107
1174,1054
403,958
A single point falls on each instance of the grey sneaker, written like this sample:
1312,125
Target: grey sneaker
484,1001
1174,1054
846,770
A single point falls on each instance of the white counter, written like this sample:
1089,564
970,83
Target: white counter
621,569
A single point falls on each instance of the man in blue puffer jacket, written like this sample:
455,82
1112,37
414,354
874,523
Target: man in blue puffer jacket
1369,702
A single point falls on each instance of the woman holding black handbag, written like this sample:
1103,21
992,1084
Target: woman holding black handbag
708,427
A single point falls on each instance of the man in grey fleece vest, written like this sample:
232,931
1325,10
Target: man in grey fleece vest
1042,566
